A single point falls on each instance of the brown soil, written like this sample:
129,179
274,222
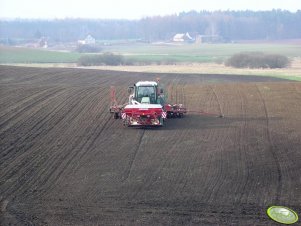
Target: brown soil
65,161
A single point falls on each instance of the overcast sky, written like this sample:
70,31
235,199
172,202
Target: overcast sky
129,9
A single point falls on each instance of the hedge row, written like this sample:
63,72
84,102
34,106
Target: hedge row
257,60
101,59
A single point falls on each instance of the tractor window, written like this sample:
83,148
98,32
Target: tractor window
146,91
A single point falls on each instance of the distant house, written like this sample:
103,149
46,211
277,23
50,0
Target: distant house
89,40
182,38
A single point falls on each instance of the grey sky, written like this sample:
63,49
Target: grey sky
129,9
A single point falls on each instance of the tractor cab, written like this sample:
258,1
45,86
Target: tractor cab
146,92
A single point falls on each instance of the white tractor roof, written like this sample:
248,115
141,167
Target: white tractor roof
146,83
143,106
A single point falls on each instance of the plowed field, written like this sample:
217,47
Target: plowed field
65,161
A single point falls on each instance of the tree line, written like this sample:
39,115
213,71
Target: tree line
231,25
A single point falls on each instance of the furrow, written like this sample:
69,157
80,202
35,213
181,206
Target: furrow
132,159
271,149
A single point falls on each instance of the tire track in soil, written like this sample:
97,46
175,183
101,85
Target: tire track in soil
242,151
252,150
167,160
215,183
217,99
204,97
271,149
284,140
183,96
172,156
183,177
219,161
132,159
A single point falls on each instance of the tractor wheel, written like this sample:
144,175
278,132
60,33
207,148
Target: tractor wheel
126,122
116,116
161,120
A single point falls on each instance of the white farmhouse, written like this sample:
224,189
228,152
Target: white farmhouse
89,40
182,37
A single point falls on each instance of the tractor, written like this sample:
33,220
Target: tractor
147,106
